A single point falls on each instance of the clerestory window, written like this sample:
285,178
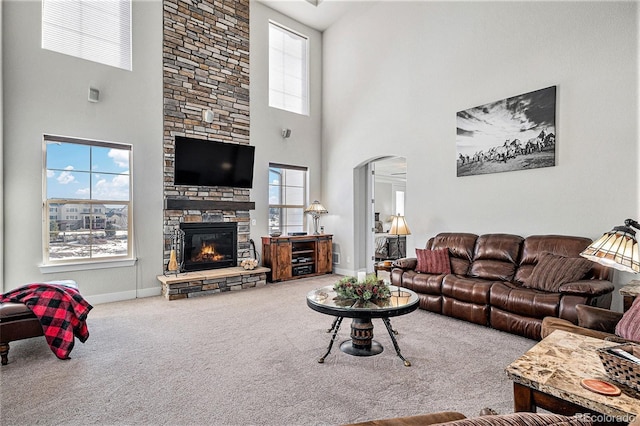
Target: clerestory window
98,31
288,70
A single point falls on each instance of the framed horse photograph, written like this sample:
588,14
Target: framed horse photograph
515,133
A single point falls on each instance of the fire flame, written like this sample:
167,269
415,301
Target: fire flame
207,253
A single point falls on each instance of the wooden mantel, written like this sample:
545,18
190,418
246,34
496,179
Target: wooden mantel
180,204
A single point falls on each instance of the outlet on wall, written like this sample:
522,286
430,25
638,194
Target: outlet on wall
253,222
348,259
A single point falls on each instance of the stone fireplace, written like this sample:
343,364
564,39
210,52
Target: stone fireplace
206,68
209,245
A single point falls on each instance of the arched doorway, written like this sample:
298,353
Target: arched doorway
380,193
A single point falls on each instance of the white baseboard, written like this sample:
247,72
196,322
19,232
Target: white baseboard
124,295
344,271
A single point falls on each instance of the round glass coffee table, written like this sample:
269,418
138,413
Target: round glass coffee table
325,300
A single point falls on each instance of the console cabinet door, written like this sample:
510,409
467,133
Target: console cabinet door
324,256
281,267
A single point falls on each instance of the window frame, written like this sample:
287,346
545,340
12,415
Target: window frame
305,188
80,263
306,90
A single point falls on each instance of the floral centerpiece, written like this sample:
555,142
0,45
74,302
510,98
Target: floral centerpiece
371,288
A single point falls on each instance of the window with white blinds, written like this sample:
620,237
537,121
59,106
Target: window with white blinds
95,30
288,70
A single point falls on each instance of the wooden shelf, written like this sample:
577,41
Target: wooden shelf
278,254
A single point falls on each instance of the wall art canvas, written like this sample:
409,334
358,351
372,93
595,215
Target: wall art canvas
516,133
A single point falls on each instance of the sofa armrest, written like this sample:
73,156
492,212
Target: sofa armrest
597,318
406,263
587,288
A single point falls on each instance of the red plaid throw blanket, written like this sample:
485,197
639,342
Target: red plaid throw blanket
62,311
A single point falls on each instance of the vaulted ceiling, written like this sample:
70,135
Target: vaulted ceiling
320,16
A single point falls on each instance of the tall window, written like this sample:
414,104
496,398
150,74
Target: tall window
98,31
87,208
287,195
288,70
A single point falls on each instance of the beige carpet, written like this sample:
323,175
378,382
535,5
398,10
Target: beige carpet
250,357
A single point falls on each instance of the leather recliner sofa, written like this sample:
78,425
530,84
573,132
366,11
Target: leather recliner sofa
490,283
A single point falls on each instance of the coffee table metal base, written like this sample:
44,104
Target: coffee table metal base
348,347
361,342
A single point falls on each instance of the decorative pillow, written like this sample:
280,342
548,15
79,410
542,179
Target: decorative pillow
433,261
629,325
552,271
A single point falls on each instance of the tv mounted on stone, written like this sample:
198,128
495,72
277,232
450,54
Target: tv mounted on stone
200,162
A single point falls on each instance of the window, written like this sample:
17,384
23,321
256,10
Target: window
98,31
288,75
87,200
400,202
287,195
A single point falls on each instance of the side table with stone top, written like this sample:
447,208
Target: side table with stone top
548,376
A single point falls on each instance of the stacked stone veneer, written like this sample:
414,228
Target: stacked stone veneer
205,67
202,283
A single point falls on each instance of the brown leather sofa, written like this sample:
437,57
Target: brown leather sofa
488,273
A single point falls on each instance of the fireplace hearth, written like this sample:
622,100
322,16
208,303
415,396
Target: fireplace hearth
209,245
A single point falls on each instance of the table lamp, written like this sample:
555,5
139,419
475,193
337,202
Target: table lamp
399,227
315,209
617,248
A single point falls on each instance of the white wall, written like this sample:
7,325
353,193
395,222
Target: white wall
46,92
383,197
394,89
303,147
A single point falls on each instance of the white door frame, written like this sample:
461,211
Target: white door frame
364,218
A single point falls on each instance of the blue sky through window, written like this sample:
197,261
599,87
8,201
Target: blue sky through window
77,171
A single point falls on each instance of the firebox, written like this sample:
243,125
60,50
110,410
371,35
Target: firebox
209,245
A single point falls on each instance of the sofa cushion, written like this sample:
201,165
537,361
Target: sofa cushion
433,261
524,301
552,271
422,283
629,325
466,289
495,256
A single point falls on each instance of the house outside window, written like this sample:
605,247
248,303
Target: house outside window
98,31
287,195
288,70
87,205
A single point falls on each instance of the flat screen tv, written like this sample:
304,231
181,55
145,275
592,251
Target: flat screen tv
201,162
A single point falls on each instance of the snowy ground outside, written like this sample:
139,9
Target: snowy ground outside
78,245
